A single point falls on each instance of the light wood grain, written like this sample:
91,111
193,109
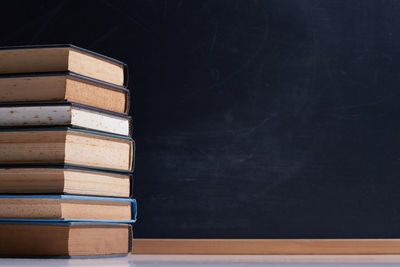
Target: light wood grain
182,259
266,246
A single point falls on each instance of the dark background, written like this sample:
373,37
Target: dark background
252,119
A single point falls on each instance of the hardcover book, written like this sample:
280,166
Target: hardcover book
66,208
64,114
64,179
65,239
63,86
64,57
66,145
66,155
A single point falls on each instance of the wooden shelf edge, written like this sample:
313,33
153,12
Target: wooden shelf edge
267,246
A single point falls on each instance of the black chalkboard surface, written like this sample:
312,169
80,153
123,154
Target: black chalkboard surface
253,119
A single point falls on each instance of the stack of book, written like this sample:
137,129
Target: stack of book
66,155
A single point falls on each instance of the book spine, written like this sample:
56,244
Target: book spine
130,185
130,237
126,75
134,210
127,102
133,144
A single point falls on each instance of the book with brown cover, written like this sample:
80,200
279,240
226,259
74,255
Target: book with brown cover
64,239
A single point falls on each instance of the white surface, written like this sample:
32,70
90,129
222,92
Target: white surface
216,260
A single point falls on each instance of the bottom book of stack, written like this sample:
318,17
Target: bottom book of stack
64,239
65,225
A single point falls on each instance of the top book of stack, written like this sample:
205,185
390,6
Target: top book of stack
63,73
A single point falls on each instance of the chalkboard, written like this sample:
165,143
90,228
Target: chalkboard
253,119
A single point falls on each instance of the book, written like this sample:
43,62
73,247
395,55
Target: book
66,208
66,153
64,179
67,86
63,114
66,239
63,57
66,145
